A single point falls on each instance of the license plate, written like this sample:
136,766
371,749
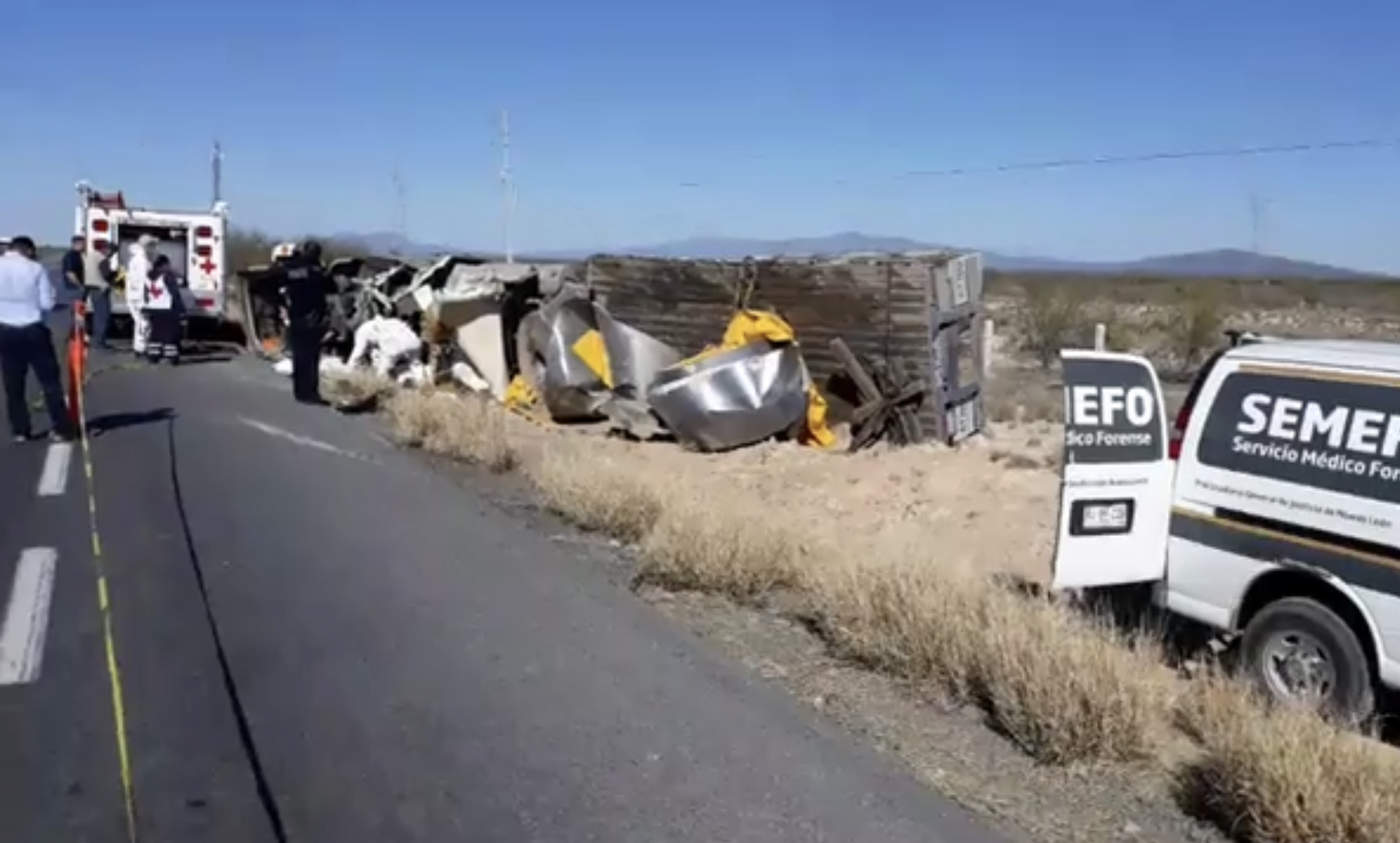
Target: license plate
1106,517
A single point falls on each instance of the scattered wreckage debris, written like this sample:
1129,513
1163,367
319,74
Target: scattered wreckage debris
890,400
923,308
615,341
585,364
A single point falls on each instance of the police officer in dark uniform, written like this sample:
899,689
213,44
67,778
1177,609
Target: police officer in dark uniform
306,286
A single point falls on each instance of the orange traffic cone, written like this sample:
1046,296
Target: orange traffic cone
77,363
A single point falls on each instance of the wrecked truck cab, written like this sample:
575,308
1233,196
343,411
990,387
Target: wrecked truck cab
1277,514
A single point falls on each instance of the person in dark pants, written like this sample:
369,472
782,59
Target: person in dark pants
306,286
25,342
99,272
74,269
164,309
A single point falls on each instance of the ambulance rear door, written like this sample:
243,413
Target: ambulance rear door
1115,494
205,271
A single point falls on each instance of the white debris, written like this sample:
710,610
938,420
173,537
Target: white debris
385,343
465,375
415,375
283,366
332,366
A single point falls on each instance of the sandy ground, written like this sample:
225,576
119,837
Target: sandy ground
992,502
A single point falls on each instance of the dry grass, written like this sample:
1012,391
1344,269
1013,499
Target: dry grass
1100,695
734,546
1278,774
597,493
1064,688
462,427
357,388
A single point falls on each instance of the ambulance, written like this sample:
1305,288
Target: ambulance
193,240
1271,510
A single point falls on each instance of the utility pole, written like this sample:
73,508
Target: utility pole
217,162
507,184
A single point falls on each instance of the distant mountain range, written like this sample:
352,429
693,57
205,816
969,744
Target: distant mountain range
1231,263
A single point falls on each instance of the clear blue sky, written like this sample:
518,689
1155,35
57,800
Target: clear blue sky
636,122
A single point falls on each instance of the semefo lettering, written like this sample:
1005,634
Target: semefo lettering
1354,429
1096,406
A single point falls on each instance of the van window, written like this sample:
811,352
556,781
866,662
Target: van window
1316,429
1196,383
1183,415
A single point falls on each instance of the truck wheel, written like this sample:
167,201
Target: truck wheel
1300,652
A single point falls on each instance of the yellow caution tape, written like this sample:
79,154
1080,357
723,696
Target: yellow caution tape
104,608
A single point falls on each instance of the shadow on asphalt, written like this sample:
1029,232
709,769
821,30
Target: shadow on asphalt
116,421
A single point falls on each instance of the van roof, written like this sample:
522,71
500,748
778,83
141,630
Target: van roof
1355,354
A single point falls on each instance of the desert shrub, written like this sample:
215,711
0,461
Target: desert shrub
1050,316
1198,322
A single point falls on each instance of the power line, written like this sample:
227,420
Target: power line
1101,160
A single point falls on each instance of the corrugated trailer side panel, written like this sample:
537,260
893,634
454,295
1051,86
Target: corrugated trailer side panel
880,307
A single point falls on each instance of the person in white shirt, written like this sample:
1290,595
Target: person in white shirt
25,342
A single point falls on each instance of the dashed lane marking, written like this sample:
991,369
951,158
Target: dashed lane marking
53,480
306,441
27,616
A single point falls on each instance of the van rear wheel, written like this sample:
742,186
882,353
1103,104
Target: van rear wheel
1301,653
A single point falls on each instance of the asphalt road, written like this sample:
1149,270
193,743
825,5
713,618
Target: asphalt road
407,661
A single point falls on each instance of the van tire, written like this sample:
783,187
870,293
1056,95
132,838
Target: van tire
1317,634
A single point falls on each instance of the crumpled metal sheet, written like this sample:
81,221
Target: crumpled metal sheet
632,417
732,398
634,357
570,389
417,294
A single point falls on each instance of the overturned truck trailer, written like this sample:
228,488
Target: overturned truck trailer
921,313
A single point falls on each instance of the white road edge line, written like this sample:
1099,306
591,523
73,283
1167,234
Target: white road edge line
307,441
54,478
27,616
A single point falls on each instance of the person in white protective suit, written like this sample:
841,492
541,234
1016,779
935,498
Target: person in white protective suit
387,343
138,270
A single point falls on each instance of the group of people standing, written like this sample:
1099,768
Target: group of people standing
152,289
153,299
153,294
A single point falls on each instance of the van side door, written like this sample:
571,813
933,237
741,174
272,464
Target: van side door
1115,494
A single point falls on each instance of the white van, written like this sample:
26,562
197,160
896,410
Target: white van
1273,508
